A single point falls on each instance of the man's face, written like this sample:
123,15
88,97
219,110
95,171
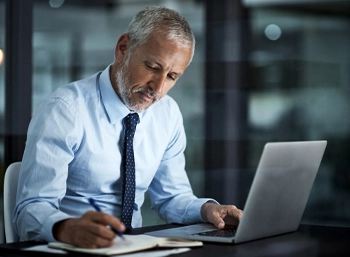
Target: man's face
151,71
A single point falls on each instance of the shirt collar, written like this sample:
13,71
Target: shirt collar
115,108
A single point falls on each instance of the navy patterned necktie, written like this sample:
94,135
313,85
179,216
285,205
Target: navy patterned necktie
130,123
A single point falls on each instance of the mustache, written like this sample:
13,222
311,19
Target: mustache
147,91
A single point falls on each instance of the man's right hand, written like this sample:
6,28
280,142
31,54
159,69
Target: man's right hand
88,231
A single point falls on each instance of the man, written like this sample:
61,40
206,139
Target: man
76,139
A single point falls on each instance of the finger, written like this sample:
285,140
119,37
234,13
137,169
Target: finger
233,215
107,220
93,223
221,224
92,235
216,217
100,230
226,214
233,211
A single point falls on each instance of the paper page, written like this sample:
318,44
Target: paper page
155,253
177,242
131,243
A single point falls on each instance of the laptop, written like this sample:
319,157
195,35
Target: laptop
276,200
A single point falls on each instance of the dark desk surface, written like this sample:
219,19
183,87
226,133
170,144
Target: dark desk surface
308,240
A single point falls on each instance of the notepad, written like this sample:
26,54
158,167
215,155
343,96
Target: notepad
132,243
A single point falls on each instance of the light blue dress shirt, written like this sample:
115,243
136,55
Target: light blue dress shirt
73,152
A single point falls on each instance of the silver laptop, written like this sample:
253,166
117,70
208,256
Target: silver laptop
277,197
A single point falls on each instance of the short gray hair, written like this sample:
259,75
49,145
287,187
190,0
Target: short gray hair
160,19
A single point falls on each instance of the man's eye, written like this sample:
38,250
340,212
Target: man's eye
171,77
151,67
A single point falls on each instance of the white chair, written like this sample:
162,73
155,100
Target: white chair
10,191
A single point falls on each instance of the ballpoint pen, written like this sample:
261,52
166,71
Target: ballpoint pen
97,208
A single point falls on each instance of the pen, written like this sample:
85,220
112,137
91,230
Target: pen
97,208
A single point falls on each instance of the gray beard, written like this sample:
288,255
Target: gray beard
123,84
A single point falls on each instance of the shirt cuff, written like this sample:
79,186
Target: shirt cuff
46,232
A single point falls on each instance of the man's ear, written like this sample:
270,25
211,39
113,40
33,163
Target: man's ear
122,48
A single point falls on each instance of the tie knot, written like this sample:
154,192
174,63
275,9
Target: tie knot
131,121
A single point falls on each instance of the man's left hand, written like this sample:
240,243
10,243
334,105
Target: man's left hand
220,215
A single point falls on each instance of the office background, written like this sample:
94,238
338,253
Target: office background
263,71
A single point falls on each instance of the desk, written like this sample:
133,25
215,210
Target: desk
308,241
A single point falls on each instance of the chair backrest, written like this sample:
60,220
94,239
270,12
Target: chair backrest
10,191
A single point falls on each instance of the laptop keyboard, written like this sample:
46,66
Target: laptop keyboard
226,232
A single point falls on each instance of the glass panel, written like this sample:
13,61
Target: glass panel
300,72
73,40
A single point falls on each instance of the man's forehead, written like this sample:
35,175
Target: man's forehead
162,51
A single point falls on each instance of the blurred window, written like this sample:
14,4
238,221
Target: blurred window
300,90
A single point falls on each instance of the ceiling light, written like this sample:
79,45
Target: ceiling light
56,3
273,32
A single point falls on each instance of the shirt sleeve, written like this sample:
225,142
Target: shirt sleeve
50,146
170,191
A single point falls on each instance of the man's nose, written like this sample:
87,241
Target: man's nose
158,83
